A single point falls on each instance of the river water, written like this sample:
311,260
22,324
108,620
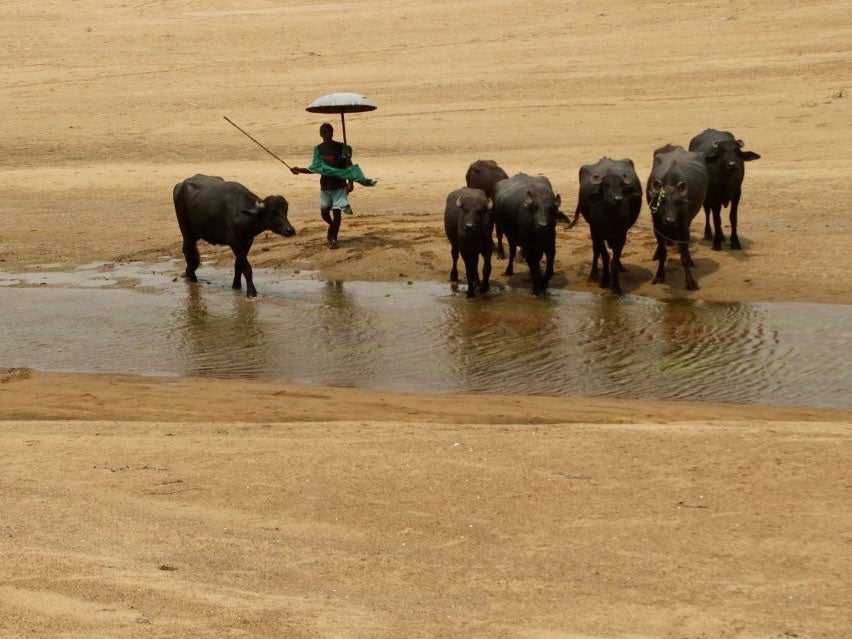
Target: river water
424,337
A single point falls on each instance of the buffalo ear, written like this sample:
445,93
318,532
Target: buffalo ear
490,205
561,217
458,202
557,201
529,198
747,156
681,188
253,212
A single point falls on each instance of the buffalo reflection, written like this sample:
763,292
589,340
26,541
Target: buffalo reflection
220,342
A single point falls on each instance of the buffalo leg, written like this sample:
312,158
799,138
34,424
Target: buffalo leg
486,267
470,270
193,259
600,249
533,259
498,228
594,274
550,258
735,203
708,233
251,291
512,248
617,268
660,254
686,262
242,268
718,235
454,273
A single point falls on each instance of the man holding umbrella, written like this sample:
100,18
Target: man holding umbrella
332,160
334,190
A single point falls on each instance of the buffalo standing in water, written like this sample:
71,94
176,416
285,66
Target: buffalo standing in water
219,212
610,200
675,192
527,208
725,161
467,222
484,175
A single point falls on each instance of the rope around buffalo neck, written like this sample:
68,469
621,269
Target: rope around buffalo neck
655,204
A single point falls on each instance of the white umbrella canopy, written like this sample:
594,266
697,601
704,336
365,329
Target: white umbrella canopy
341,103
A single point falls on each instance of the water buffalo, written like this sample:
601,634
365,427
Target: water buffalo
219,212
725,161
484,175
675,192
610,199
527,209
467,222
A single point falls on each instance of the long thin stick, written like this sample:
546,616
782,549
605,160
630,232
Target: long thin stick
257,143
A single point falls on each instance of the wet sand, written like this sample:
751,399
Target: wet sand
189,508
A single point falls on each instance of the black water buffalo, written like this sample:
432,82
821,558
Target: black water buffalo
725,161
484,175
610,199
527,209
467,222
219,212
675,192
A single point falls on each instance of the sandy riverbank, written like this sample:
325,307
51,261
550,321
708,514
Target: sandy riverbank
192,508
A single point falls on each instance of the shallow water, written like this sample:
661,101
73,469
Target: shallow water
423,337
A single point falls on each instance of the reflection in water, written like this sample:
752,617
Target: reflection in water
206,338
348,343
419,338
492,344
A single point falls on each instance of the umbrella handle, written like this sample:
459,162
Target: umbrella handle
343,124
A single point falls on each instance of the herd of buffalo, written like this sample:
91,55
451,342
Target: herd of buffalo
523,207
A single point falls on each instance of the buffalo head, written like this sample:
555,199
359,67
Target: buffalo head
671,209
543,210
473,210
728,155
271,214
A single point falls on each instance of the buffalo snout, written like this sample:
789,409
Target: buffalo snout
284,228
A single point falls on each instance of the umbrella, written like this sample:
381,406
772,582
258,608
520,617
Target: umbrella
341,103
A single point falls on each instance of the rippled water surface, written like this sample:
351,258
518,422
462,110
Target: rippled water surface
422,337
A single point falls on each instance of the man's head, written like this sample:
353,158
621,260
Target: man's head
326,132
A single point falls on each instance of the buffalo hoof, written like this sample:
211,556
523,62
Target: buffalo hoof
251,293
190,276
605,281
508,272
717,246
484,287
621,269
616,290
735,244
471,292
691,285
454,276
658,279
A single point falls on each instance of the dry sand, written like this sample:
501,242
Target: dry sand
196,508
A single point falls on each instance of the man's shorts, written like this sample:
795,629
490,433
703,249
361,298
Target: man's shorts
337,199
